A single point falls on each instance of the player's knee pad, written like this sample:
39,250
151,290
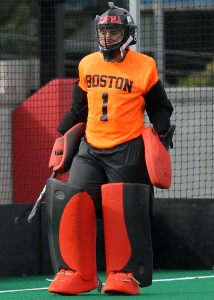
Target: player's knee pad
71,228
127,229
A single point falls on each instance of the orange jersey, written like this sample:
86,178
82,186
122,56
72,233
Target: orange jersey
116,105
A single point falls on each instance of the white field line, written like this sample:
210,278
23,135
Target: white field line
183,278
155,280
24,290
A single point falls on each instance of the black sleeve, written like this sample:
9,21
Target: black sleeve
158,108
78,111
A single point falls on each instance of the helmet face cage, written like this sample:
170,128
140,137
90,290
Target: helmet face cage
110,36
114,21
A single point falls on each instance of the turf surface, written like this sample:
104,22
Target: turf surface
167,285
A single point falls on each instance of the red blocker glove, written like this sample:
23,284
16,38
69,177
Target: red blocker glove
65,148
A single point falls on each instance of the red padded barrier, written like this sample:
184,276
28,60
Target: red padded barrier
34,125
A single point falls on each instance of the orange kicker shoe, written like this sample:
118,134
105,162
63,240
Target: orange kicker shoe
121,283
69,282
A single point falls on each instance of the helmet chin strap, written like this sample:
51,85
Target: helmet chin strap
123,47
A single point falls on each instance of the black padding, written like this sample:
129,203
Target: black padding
58,193
19,242
136,204
182,233
45,259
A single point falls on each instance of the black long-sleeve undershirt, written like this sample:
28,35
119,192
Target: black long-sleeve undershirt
158,108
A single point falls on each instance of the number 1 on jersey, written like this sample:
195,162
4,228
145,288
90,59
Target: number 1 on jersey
104,116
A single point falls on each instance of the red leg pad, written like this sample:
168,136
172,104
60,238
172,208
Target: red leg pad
77,235
127,230
116,237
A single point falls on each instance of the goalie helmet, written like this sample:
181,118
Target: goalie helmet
119,24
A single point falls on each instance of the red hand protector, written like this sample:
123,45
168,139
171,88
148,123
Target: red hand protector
65,148
158,159
57,153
